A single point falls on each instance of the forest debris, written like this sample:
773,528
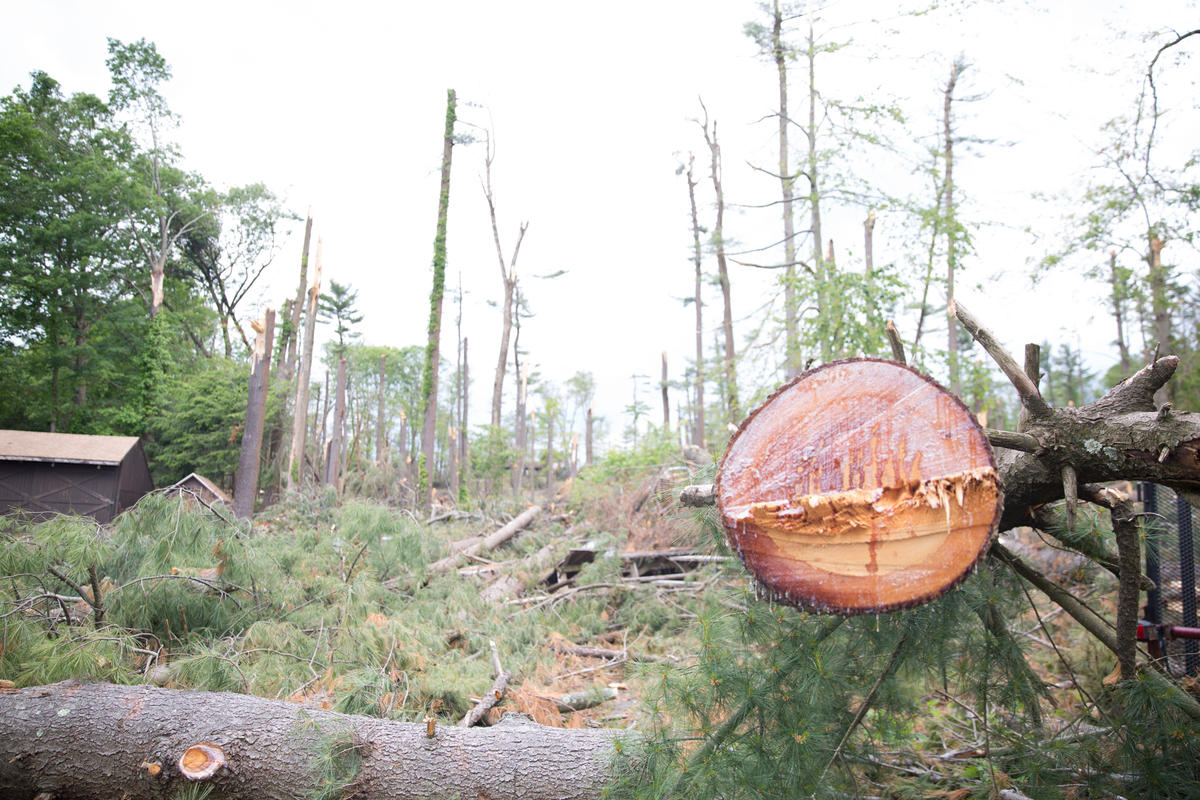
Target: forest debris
603,652
502,588
697,495
588,698
499,686
486,544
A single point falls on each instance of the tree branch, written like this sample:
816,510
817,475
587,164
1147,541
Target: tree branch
1027,390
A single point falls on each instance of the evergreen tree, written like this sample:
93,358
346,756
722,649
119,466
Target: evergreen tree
337,307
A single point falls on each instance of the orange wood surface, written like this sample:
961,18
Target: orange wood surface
860,486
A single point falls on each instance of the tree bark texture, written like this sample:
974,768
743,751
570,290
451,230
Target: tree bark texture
298,306
429,378
337,432
296,458
246,485
82,741
733,407
698,433
814,192
380,427
948,219
508,274
793,359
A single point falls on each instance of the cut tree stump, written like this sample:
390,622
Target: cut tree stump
860,486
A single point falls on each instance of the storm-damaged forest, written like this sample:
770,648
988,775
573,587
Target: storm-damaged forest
856,539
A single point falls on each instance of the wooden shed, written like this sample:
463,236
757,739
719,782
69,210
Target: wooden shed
70,473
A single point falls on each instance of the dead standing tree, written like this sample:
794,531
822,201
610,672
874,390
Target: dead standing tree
508,273
429,377
246,487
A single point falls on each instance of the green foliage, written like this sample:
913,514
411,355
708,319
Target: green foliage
337,762
337,306
199,427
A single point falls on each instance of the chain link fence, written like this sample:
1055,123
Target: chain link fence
1171,565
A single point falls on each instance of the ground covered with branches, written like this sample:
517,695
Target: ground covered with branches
336,604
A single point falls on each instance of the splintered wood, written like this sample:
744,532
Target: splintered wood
861,486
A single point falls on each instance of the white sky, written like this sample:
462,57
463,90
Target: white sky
341,106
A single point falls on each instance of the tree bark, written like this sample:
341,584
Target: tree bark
587,442
814,192
296,458
487,544
333,465
793,360
666,402
429,380
698,432
508,274
103,741
298,305
380,428
951,228
246,486
732,406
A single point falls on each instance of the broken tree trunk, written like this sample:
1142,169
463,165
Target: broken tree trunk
860,486
297,454
246,485
273,749
487,544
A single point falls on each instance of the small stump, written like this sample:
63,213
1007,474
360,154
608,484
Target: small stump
861,486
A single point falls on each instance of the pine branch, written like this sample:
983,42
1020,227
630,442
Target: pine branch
865,706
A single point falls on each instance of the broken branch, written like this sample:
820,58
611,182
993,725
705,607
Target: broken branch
1027,390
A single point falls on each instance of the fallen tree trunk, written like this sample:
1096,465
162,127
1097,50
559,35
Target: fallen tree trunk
487,544
102,741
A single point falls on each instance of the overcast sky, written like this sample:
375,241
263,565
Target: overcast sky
341,105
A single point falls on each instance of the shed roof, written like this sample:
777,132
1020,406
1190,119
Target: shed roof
193,479
70,448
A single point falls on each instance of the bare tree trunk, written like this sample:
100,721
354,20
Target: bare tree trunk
333,465
1160,305
733,408
452,449
270,749
404,459
295,470
793,359
429,379
821,279
951,229
869,248
549,454
698,432
380,428
508,273
587,442
666,402
463,438
298,305
1118,302
246,485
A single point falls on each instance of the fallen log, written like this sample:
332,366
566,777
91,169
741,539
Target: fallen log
486,544
272,750
588,698
604,652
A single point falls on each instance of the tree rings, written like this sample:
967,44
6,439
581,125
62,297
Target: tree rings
860,486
